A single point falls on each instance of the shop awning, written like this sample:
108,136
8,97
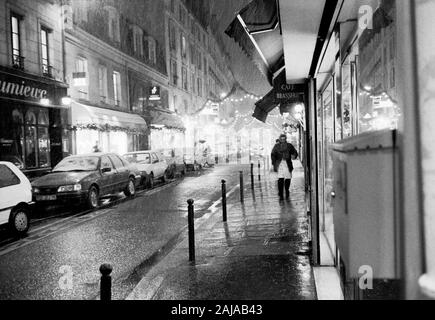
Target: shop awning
264,106
90,117
167,120
256,30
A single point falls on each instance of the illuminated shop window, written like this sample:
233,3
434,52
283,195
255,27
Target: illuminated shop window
377,91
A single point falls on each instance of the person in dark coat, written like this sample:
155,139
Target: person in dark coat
282,155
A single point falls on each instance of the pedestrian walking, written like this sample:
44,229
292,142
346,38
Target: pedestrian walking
282,155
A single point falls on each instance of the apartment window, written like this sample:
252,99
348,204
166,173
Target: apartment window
174,74
173,6
114,28
183,16
80,77
184,78
200,61
198,34
172,37
46,68
205,65
117,88
192,54
193,82
17,58
81,11
183,47
200,87
152,56
102,81
138,41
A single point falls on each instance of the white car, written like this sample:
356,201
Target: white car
15,198
151,164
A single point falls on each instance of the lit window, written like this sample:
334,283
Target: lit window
17,59
183,47
117,88
46,68
80,77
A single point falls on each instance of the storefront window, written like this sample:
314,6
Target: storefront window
44,147
31,140
377,60
17,151
328,140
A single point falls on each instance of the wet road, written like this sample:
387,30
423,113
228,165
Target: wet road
126,235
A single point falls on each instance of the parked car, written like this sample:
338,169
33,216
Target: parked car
14,159
175,161
15,198
83,179
151,165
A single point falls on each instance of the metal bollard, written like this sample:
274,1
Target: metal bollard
252,175
242,196
106,282
224,201
191,227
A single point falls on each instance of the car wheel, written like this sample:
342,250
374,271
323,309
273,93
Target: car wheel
151,181
183,173
163,178
93,198
19,221
130,190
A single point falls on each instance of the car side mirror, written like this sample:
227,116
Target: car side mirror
106,170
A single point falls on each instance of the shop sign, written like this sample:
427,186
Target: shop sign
154,94
289,93
12,86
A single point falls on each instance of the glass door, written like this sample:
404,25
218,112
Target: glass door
328,139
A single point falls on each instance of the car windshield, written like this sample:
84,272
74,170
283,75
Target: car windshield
143,158
77,164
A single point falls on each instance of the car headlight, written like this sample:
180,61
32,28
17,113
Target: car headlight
70,188
35,190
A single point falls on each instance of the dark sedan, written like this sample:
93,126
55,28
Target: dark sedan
83,179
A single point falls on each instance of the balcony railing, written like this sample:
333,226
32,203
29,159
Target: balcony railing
18,62
47,71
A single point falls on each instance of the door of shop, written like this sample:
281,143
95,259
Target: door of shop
326,119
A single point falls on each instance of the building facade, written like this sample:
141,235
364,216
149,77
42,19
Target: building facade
114,59
33,119
199,75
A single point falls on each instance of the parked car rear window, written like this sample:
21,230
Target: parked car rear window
143,158
77,164
7,177
116,161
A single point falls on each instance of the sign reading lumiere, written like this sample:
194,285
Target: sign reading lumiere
12,86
